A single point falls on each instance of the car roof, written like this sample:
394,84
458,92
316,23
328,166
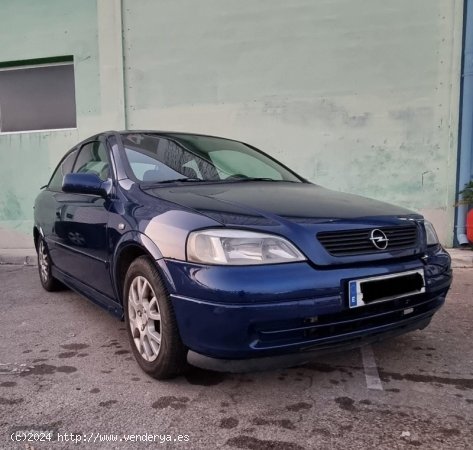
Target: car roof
170,133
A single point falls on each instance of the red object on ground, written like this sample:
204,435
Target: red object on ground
469,226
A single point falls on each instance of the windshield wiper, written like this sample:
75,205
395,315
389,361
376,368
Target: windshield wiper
177,180
237,180
225,180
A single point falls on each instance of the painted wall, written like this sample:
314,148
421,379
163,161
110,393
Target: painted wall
30,29
356,95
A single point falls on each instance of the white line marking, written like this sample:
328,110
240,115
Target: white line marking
371,369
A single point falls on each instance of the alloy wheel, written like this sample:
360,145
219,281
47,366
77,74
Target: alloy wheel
144,318
43,260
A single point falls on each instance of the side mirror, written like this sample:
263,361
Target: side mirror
85,183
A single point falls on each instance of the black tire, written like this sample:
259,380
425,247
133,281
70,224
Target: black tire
48,282
171,359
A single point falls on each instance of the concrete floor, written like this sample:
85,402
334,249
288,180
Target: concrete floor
65,366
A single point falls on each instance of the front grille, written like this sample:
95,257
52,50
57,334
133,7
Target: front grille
358,242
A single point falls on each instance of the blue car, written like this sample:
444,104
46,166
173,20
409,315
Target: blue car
218,256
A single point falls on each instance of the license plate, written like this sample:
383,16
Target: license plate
385,287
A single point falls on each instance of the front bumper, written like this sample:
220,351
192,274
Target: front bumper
291,312
304,357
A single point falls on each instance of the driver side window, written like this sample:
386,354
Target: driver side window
93,159
65,167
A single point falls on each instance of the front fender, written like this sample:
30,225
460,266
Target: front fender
137,238
140,240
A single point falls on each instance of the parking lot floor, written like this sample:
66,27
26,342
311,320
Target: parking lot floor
66,366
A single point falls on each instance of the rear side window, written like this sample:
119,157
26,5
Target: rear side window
93,159
64,167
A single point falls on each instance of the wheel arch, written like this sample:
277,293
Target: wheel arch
36,235
131,246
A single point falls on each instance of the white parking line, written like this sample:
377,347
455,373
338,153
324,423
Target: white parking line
371,369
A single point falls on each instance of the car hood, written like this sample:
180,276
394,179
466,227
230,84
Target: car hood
264,203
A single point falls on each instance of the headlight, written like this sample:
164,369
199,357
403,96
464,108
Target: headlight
430,233
236,247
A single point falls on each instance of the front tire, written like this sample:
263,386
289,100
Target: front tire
150,322
48,282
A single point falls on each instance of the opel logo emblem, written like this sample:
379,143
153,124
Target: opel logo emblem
379,239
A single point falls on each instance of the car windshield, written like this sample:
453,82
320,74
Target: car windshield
179,157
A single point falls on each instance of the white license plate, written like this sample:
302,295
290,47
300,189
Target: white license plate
389,290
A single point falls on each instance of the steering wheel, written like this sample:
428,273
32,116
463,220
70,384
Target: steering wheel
236,176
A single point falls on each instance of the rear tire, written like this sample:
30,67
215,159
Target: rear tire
48,282
150,322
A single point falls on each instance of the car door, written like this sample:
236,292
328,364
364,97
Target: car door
81,224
